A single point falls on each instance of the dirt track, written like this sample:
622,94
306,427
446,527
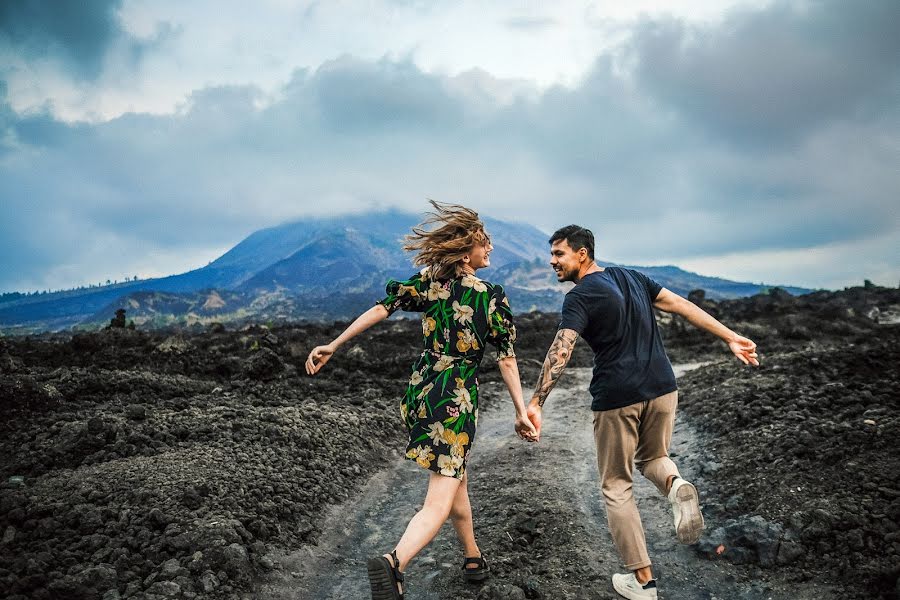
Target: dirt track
539,519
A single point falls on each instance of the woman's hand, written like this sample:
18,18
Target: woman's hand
321,354
524,428
318,357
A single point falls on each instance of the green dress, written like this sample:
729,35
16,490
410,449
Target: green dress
460,316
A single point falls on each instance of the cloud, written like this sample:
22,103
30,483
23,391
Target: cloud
353,96
78,32
625,152
822,266
528,24
775,75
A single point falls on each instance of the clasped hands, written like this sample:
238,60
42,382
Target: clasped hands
528,425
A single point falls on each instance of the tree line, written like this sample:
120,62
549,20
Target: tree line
10,296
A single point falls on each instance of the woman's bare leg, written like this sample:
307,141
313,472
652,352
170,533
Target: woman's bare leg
427,522
461,516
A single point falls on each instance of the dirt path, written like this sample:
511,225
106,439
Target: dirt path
539,519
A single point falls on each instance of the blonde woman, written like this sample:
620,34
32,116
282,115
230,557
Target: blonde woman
461,315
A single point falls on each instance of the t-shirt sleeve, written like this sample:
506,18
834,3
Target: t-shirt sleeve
652,287
409,295
502,329
574,313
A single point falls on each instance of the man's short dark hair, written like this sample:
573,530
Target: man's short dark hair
577,237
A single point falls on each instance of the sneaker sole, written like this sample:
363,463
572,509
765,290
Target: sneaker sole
690,527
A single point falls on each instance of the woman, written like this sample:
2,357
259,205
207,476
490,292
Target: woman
461,314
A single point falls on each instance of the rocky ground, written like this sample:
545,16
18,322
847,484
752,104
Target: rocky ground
177,464
806,473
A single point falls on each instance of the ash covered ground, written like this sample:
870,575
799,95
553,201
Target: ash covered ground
170,464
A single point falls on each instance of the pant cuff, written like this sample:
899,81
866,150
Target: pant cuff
638,565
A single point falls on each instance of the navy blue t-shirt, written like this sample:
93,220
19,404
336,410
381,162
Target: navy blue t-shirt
613,311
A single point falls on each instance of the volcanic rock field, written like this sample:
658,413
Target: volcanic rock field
173,463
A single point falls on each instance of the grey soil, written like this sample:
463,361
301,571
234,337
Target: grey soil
539,519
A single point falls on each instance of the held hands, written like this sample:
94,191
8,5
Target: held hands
533,413
318,357
524,429
745,350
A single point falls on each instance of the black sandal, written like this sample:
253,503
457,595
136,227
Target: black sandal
385,578
476,573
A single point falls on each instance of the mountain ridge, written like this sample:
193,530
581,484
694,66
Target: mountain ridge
322,268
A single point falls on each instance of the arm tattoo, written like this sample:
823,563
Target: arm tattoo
557,358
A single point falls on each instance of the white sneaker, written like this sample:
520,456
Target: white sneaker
686,511
628,586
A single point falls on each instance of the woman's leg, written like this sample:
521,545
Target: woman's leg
427,522
461,516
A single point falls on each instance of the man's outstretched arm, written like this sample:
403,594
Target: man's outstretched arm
741,347
554,364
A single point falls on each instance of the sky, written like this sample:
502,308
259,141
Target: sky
753,140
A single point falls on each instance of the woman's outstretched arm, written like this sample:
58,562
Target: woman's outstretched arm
321,354
509,370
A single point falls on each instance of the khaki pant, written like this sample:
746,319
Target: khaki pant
636,434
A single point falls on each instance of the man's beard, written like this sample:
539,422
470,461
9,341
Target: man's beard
564,275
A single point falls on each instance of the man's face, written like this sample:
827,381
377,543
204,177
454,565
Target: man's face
565,261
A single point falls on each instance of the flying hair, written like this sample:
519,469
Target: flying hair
455,231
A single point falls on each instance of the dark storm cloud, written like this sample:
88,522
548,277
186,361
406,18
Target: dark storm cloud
773,75
77,31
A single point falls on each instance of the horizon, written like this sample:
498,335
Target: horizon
752,140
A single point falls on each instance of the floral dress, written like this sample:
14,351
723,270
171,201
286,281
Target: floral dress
460,316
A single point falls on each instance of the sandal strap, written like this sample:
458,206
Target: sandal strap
478,560
395,567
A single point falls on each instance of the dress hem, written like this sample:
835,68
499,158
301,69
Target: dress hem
437,469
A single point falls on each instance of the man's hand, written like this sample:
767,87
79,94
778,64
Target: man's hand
524,428
534,415
745,350
318,357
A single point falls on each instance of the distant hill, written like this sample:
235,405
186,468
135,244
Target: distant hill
318,269
537,275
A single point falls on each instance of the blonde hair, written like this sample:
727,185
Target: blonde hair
457,230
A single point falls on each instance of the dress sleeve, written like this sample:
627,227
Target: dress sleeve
409,295
500,318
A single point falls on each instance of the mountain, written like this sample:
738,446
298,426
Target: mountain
318,269
537,275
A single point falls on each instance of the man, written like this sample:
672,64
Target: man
633,389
